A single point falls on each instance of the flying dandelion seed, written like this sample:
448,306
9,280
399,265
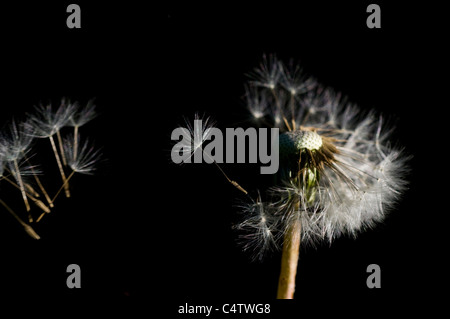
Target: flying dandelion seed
16,143
28,229
338,172
88,156
79,118
84,163
192,139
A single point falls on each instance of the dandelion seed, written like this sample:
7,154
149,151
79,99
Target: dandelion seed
83,115
80,118
88,156
85,162
256,103
294,80
36,201
269,73
38,181
46,123
193,138
15,143
258,229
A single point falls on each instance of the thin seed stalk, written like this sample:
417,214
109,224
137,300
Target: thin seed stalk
61,148
75,142
234,183
309,177
63,186
61,170
47,198
56,195
41,187
22,188
289,262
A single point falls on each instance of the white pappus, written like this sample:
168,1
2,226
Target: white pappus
339,171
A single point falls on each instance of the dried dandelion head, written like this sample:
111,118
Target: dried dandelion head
339,173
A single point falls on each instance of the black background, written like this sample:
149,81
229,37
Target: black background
144,228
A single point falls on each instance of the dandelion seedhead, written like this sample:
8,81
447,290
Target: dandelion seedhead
339,173
15,158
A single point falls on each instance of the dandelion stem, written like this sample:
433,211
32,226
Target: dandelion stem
61,170
61,149
22,189
30,231
289,261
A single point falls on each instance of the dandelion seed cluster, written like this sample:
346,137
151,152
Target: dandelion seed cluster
72,154
339,173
